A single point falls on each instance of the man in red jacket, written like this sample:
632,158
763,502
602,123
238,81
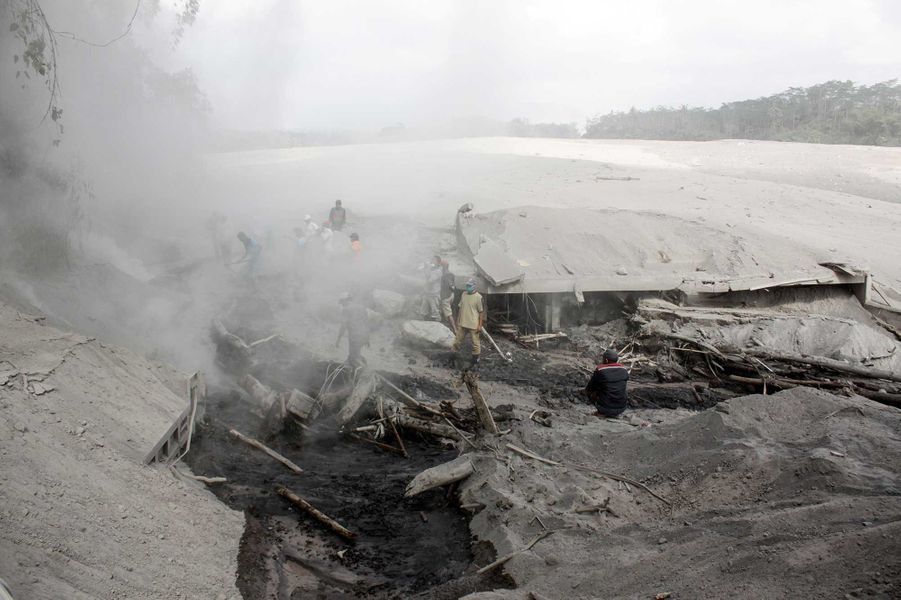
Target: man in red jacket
607,387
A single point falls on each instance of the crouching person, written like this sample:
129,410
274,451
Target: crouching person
607,386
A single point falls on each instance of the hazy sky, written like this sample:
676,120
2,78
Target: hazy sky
371,63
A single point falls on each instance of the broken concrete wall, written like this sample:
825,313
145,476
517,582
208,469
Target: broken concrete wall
84,518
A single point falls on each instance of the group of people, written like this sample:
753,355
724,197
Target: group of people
606,388
311,240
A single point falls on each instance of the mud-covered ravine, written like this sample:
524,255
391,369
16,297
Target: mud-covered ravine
403,546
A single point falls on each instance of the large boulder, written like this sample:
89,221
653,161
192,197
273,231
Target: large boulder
389,303
427,334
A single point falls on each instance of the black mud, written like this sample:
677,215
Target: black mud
404,546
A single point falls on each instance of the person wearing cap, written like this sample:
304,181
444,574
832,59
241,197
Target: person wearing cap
470,320
310,228
607,386
354,323
337,217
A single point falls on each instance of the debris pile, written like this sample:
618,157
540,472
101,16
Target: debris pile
770,349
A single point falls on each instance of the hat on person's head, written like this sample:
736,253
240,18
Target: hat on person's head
344,297
307,218
610,355
470,285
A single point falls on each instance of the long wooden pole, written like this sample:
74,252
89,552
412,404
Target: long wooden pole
266,449
472,384
496,347
408,399
315,512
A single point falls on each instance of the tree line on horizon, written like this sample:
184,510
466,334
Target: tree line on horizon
834,112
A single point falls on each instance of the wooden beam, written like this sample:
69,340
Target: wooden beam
269,451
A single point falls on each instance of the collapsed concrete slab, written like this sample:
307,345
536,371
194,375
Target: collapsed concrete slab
536,249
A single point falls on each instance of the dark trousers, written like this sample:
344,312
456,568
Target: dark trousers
355,351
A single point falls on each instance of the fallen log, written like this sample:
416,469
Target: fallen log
267,450
363,388
263,395
315,512
456,470
817,361
827,363
436,429
690,340
883,397
472,384
408,399
784,382
273,420
231,349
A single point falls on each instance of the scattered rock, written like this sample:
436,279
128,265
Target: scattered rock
390,304
427,334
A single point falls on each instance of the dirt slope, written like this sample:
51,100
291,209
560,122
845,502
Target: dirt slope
791,495
80,516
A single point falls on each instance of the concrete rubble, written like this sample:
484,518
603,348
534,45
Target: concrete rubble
427,334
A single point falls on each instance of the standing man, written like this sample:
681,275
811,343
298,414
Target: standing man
447,295
607,386
432,295
252,250
470,320
337,216
355,323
